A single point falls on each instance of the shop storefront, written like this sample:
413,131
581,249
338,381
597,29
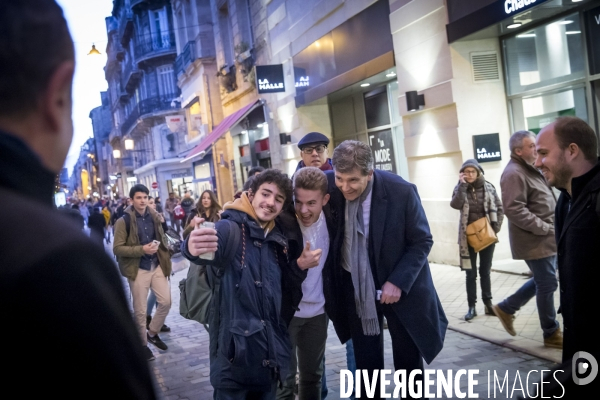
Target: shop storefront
352,67
550,54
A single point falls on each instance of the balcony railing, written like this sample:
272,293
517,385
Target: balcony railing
154,45
131,76
125,26
148,106
187,56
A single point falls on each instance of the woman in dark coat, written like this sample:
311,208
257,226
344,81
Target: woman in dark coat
476,198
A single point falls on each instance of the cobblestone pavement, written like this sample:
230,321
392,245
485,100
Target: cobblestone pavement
182,372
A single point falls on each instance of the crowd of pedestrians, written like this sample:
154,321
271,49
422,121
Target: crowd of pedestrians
340,241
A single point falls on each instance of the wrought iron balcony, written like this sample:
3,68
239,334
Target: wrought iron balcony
148,106
187,56
131,76
154,46
125,26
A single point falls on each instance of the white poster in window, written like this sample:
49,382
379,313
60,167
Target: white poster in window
175,123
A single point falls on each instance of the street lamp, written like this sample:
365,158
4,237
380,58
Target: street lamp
129,144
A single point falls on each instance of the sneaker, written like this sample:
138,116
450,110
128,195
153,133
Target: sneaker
165,328
148,353
506,319
555,340
157,342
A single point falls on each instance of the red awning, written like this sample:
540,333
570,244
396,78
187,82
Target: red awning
228,122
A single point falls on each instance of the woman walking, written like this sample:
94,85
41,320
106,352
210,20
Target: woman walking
476,198
207,207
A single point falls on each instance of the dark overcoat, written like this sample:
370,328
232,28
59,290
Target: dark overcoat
577,238
399,243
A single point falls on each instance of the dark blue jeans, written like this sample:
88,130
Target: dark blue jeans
543,285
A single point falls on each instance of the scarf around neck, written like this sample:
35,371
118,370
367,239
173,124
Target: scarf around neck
356,260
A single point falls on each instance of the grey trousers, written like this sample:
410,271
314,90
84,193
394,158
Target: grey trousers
308,337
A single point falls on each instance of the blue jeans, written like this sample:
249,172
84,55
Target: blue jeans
543,285
351,365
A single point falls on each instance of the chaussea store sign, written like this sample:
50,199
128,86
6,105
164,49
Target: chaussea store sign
514,6
269,78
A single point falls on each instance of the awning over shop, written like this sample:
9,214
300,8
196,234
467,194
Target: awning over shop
228,122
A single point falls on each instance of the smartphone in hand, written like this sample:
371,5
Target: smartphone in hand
155,243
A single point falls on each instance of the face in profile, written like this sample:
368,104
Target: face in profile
551,160
267,201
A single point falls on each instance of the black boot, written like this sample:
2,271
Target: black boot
148,320
488,308
472,313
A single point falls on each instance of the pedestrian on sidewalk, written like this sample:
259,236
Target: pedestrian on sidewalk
170,205
529,205
381,243
151,304
70,330
308,328
143,258
260,288
476,198
567,155
96,223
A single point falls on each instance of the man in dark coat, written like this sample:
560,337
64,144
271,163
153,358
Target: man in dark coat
381,245
259,292
96,223
568,158
63,290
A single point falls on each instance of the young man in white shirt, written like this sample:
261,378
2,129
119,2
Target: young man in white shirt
308,328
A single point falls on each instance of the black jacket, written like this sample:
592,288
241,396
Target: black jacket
63,291
249,342
399,243
577,238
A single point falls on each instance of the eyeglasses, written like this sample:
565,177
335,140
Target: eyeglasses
470,172
309,150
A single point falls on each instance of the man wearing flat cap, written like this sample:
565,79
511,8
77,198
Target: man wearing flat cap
313,148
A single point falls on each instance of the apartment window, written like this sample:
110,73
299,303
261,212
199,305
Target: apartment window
159,26
166,80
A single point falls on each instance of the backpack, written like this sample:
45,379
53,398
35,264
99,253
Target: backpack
179,212
203,282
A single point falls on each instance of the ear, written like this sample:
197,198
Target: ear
56,101
250,195
573,150
370,176
326,199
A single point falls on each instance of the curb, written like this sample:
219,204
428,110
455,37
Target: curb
501,338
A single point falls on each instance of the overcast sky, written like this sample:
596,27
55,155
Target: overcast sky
86,19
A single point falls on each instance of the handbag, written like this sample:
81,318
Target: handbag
173,242
480,234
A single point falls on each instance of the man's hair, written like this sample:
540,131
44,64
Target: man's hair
311,178
34,41
248,183
351,154
277,177
138,188
575,130
256,169
516,140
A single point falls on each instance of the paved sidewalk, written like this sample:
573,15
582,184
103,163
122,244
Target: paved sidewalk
182,372
450,284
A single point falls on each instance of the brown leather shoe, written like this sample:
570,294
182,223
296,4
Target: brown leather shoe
555,340
506,319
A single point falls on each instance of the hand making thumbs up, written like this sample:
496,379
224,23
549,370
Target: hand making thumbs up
309,258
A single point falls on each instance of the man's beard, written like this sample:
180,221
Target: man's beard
562,174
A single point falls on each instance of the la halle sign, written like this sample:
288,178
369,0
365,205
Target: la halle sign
269,78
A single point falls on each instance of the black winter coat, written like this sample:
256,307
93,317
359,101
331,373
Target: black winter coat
249,342
577,238
54,277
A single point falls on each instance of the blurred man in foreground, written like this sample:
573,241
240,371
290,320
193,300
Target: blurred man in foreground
63,291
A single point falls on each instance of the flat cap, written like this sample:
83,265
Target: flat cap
313,138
